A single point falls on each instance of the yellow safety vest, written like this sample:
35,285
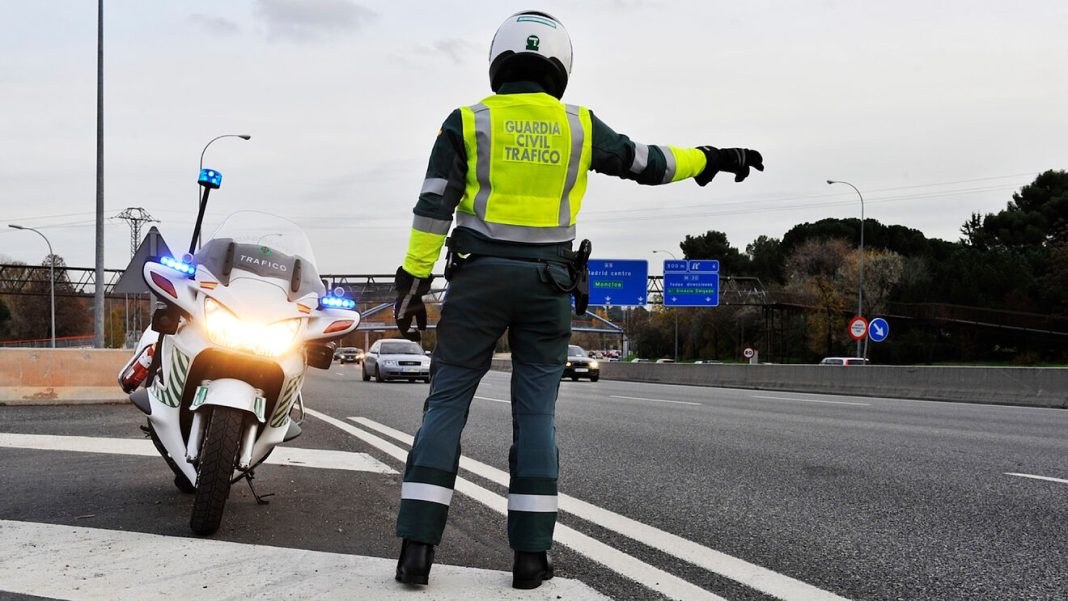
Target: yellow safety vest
528,156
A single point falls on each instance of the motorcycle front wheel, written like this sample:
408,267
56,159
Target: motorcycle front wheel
217,458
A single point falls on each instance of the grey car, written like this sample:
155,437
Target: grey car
396,359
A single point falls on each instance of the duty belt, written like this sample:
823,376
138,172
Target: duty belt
463,245
466,244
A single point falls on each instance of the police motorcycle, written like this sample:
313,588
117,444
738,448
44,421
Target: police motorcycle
238,324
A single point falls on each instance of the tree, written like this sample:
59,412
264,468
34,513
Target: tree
32,317
1036,216
765,259
5,318
814,273
714,245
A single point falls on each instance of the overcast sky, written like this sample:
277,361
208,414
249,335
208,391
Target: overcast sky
934,110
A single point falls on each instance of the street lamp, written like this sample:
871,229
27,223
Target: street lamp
242,136
201,201
51,273
860,290
673,309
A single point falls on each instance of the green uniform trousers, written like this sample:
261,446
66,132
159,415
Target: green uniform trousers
487,297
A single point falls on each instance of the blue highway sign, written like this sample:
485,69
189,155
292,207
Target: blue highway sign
618,283
878,329
691,283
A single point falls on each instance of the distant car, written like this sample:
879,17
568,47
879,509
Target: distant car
579,365
349,354
665,360
640,360
396,359
844,361
708,362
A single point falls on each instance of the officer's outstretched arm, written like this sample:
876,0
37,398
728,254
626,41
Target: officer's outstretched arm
649,164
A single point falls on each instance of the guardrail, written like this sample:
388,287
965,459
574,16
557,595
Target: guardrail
60,376
1024,386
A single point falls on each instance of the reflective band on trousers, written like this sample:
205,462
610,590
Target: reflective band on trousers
577,135
669,171
641,158
532,503
431,225
434,185
417,491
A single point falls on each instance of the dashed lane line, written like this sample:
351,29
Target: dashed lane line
486,398
638,398
1034,477
282,455
790,398
739,570
630,567
92,564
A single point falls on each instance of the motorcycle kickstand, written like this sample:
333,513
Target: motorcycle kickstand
260,499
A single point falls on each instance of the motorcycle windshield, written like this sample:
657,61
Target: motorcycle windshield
265,245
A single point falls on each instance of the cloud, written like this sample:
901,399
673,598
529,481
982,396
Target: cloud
214,25
307,20
456,49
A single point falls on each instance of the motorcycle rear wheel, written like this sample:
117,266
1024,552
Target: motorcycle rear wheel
217,458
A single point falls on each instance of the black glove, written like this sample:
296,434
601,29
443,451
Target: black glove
409,305
732,160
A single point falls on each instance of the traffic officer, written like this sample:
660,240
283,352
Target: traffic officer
511,170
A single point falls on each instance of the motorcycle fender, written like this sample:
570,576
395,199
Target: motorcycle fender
228,392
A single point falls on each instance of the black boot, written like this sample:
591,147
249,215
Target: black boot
530,569
413,567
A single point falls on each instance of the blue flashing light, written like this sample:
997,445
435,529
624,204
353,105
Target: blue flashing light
336,302
187,269
210,178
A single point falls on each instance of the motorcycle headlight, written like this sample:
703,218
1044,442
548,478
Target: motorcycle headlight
225,329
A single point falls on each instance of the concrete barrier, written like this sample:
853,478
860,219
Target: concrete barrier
60,376
1027,386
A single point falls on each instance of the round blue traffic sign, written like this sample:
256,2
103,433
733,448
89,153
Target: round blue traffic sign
878,329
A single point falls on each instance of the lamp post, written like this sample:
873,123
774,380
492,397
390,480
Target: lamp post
860,290
51,274
673,309
210,142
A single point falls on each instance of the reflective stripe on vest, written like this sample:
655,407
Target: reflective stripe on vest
528,158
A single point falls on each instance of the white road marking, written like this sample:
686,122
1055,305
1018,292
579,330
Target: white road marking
754,576
92,564
486,398
790,398
627,566
1032,476
282,455
638,398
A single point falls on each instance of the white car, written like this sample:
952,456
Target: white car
844,361
396,359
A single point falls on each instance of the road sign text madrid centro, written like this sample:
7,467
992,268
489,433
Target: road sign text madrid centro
878,329
618,283
691,283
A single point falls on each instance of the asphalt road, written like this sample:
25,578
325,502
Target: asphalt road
671,491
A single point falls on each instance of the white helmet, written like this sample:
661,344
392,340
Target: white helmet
531,45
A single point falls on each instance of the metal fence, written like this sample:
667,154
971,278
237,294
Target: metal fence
64,342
